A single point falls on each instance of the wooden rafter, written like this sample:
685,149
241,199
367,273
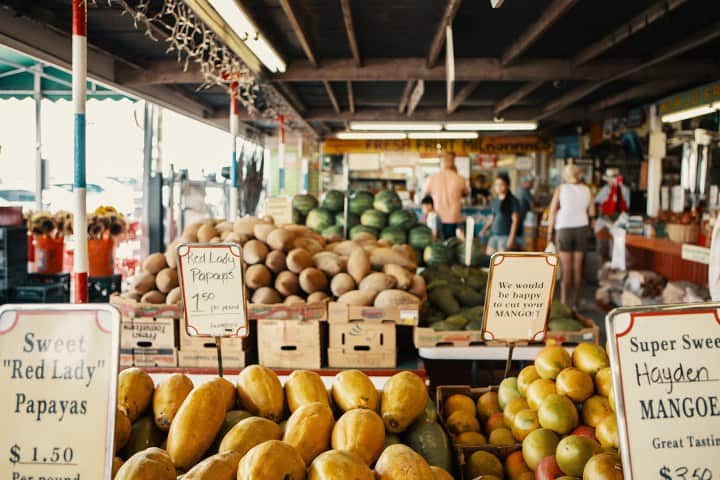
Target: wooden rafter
556,10
462,95
351,96
516,96
350,28
692,42
290,12
331,94
406,96
289,92
647,90
648,16
451,8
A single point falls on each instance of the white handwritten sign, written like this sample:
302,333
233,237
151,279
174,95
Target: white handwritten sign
666,378
213,288
520,292
280,208
58,381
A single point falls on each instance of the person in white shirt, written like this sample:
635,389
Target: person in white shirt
570,211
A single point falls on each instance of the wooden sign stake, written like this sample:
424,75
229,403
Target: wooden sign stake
508,362
218,347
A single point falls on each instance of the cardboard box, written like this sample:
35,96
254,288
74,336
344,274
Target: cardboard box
148,332
341,313
200,343
315,312
207,358
426,337
149,357
362,344
130,309
291,344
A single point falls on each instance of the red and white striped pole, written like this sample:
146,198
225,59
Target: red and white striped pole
79,89
234,166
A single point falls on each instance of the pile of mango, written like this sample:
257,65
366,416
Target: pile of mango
258,429
561,410
456,298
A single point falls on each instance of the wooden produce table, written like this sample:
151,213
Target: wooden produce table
664,256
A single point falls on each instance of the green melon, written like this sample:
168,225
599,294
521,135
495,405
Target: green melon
395,234
352,219
420,236
404,219
319,219
374,218
387,201
358,229
334,200
333,231
437,253
297,217
477,255
303,203
360,201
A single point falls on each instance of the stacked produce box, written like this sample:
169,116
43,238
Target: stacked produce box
259,428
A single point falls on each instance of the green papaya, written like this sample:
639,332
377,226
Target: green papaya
231,419
474,325
143,435
430,441
559,310
564,325
429,414
469,297
443,326
457,320
443,299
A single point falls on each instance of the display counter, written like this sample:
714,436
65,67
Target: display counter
666,257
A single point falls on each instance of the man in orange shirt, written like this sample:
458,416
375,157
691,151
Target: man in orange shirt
447,189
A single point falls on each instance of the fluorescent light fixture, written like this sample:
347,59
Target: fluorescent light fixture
371,135
238,20
443,135
492,126
690,113
396,126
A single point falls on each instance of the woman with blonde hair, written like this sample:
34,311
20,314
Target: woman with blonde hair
571,207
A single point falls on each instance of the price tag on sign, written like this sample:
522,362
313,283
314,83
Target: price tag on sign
666,379
58,381
213,289
519,295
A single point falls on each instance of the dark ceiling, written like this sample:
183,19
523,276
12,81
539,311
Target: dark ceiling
676,41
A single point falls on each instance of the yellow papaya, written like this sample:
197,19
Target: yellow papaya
122,428
168,396
228,391
117,463
400,462
360,431
223,466
303,387
272,460
135,391
440,473
308,430
150,464
353,389
339,465
248,433
261,392
195,425
403,401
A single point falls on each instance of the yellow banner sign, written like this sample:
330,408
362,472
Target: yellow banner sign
58,377
500,145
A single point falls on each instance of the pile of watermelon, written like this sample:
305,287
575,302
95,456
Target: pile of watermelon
381,215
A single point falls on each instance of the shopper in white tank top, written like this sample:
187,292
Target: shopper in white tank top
570,211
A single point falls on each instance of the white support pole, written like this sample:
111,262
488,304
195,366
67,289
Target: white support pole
656,153
37,94
79,89
234,166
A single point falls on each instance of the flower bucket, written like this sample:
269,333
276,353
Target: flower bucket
48,254
101,256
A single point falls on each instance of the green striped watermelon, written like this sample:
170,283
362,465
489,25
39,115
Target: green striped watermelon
303,203
358,229
374,218
395,234
436,254
420,236
319,219
387,201
404,219
360,201
334,200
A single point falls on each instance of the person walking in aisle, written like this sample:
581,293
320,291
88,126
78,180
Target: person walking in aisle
447,188
570,211
504,221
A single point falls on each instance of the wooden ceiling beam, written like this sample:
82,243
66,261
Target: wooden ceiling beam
516,96
351,96
551,14
451,8
700,38
291,13
331,94
350,29
489,69
638,23
648,90
462,95
406,96
291,94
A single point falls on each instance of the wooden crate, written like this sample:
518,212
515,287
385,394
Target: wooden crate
314,312
291,344
341,313
149,357
590,333
443,392
362,345
207,358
